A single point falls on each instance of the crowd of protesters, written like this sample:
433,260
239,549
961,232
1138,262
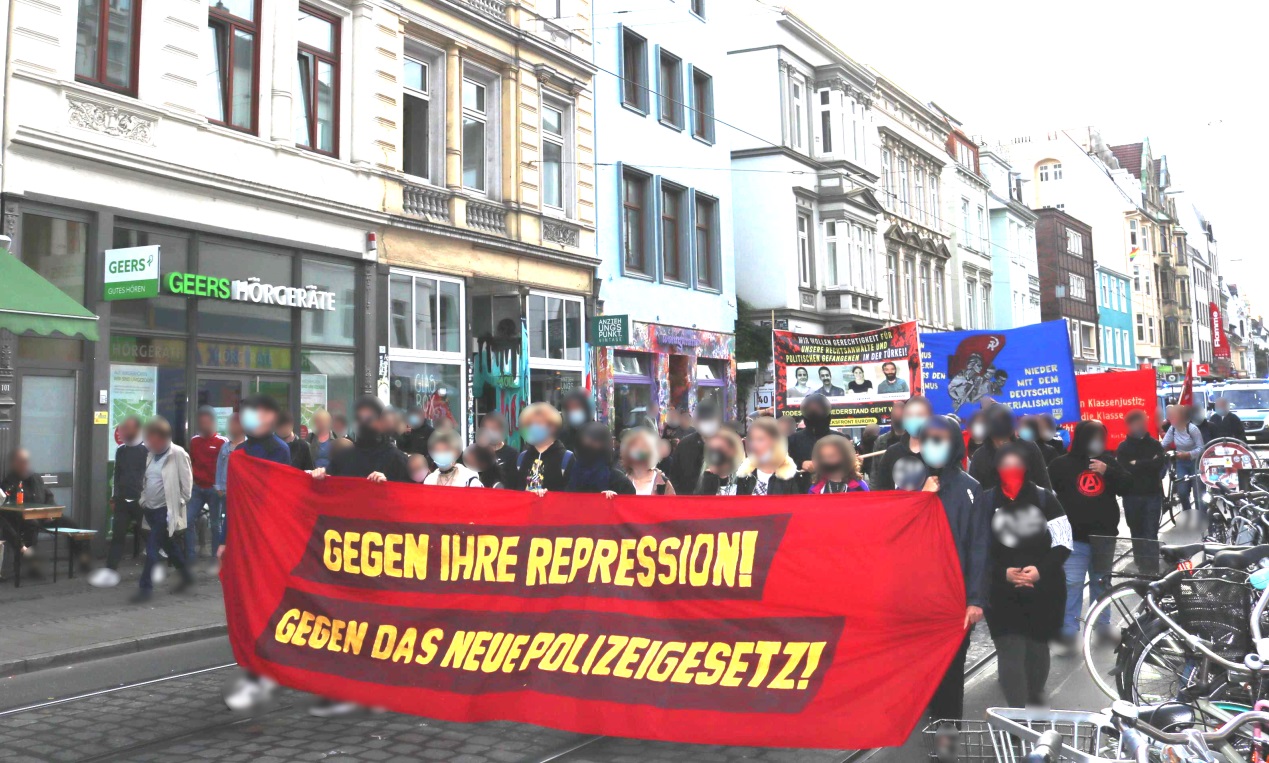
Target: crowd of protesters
1023,505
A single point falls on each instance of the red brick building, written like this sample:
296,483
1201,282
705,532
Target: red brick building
1068,282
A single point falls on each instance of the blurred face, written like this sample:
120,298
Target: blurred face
760,443
1137,426
129,430
1012,461
21,464
1222,406
832,464
284,430
235,428
788,426
157,442
417,466
723,446
896,412
206,424
1176,416
321,422
340,424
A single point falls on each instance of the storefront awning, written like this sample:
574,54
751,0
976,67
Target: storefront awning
29,304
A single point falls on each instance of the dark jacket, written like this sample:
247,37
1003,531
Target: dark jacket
884,443
371,453
785,480
1144,459
569,434
1087,497
1027,531
33,489
883,474
802,443
709,483
1050,450
549,469
969,517
1229,425
982,466
688,461
597,478
415,441
1208,430
271,448
506,457
301,454
129,471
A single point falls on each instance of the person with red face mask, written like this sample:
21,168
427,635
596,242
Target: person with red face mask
1031,538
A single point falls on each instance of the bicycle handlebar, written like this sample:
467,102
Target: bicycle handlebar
1126,718
1047,748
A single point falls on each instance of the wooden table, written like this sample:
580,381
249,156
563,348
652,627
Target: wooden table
32,512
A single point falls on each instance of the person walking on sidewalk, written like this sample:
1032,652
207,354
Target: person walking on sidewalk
1184,438
204,449
165,493
130,459
1142,457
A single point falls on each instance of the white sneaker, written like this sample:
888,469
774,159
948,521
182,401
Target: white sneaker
250,692
158,574
103,577
329,708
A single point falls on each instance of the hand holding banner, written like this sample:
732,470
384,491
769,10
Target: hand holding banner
783,621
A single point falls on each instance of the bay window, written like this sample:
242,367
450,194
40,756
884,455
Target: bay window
317,82
231,82
106,37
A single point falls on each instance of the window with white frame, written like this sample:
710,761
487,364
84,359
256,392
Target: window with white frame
557,154
971,296
1105,290
708,252
804,250
909,286
940,299
1057,171
1044,173
673,228
636,217
903,185
482,166
982,230
423,114
830,251
1089,340
1073,328
555,329
634,70
1141,329
920,194
702,106
985,289
926,291
826,121
670,85
887,181
964,219
1077,285
892,282
1074,242
426,340
935,217
797,113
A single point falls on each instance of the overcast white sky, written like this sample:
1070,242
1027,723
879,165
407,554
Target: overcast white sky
1190,76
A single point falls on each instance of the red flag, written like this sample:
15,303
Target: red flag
778,621
1187,391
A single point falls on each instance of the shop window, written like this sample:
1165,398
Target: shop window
40,349
555,327
243,319
166,311
633,385
230,84
58,250
434,388
147,378
338,326
327,380
425,313
317,81
711,381
106,37
549,386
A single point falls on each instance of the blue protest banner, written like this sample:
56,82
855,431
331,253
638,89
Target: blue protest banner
1029,369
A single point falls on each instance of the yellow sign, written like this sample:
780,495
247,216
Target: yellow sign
101,417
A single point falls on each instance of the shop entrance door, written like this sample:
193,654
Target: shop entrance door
224,392
46,428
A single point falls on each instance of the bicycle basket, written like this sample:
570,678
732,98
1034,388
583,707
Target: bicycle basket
960,742
1086,737
1215,604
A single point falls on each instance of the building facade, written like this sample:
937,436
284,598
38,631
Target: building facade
1015,274
805,174
664,198
1114,317
244,179
967,222
486,134
1067,281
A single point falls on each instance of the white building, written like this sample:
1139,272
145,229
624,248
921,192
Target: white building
1015,271
1204,264
804,173
966,221
664,196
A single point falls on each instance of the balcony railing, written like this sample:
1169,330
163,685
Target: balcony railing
487,217
494,8
422,201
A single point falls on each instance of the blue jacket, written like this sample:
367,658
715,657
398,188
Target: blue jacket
271,448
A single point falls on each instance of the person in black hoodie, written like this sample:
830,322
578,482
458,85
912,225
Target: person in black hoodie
815,419
1031,540
492,434
301,450
1000,432
901,467
578,411
1086,481
373,455
1198,415
688,460
1031,429
724,454
1225,423
1144,459
969,518
768,470
545,464
415,438
593,471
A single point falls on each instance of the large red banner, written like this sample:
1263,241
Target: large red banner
802,621
1220,342
1110,397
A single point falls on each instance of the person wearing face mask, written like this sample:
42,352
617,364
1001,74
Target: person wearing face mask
688,460
836,467
446,448
815,417
493,435
884,441
481,460
768,470
1001,432
545,464
969,519
1143,458
1086,481
418,434
724,453
1225,423
373,456
1051,433
1031,429
1198,414
975,434
418,467
1031,540
901,465
593,471
639,458
578,411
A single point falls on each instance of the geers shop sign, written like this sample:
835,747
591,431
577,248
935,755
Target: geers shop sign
209,287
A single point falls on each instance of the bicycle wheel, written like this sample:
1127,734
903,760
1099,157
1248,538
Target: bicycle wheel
1130,619
1158,671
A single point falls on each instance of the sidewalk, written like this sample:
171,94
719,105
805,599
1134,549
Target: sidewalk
45,624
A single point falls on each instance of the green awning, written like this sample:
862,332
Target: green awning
29,304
